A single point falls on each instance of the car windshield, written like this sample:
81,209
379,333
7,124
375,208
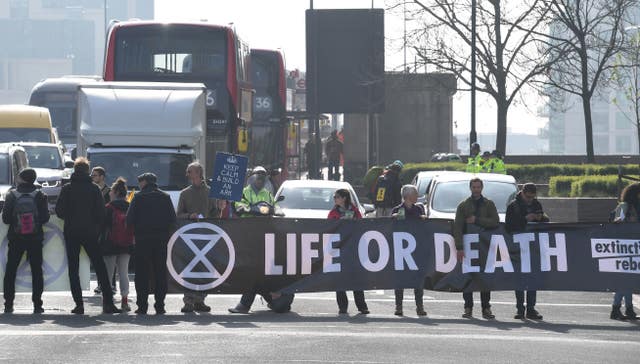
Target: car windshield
169,167
447,195
44,157
8,135
315,198
4,169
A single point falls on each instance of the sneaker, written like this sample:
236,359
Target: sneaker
631,315
533,315
8,308
187,308
124,306
38,309
420,311
110,308
398,311
78,310
468,312
201,307
519,315
97,290
240,308
487,314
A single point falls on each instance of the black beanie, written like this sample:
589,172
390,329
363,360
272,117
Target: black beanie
28,175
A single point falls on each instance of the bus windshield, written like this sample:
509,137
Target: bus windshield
169,167
166,53
8,135
62,107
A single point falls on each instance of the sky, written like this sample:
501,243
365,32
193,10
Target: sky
281,24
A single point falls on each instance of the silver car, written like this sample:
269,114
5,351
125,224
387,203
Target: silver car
450,188
313,199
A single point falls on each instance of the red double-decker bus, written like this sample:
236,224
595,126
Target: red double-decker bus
190,52
269,131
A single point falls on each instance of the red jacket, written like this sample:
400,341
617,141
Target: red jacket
336,214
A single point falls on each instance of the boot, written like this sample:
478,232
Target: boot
110,308
240,308
420,310
487,314
631,315
124,305
398,310
616,314
78,310
468,312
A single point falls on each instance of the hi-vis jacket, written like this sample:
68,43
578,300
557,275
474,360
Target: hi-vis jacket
250,197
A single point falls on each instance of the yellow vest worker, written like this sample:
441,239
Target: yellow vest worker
474,164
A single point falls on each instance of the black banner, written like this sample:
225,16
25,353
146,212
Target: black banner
288,255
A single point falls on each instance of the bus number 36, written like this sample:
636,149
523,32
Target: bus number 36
263,103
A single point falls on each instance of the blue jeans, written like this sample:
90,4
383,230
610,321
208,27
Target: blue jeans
628,299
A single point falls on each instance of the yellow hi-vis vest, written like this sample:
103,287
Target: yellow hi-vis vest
474,164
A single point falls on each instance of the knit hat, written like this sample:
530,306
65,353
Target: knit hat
28,175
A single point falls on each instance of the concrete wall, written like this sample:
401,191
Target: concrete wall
417,122
601,159
578,209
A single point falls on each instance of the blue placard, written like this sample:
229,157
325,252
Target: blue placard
229,171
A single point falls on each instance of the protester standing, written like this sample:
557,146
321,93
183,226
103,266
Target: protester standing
627,211
153,219
81,206
387,189
333,149
523,210
25,211
98,176
410,210
476,212
345,209
117,241
195,204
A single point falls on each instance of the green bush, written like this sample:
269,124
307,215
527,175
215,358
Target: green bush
560,186
597,186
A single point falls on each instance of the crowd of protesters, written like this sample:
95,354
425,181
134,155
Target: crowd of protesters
112,225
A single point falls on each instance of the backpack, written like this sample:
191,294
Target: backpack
119,234
382,193
25,213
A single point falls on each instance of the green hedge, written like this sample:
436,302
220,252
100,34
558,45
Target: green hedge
560,186
536,173
596,186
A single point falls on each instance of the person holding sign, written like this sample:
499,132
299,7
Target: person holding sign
195,204
476,212
345,209
409,209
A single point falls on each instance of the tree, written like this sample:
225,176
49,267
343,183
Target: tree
584,38
626,75
506,47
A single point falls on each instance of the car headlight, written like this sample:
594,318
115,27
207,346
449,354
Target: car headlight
51,184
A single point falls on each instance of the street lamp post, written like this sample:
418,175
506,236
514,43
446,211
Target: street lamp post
473,135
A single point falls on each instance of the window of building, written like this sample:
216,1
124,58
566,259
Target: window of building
623,144
622,121
601,144
19,9
600,120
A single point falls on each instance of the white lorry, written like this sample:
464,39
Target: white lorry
134,127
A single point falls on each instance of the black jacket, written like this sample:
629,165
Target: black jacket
517,211
81,206
9,219
151,213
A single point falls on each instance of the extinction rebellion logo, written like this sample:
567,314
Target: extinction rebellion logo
616,255
209,252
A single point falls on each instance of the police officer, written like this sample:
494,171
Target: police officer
252,195
495,164
474,163
25,236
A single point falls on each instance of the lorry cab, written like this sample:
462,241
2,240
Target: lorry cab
25,123
13,159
